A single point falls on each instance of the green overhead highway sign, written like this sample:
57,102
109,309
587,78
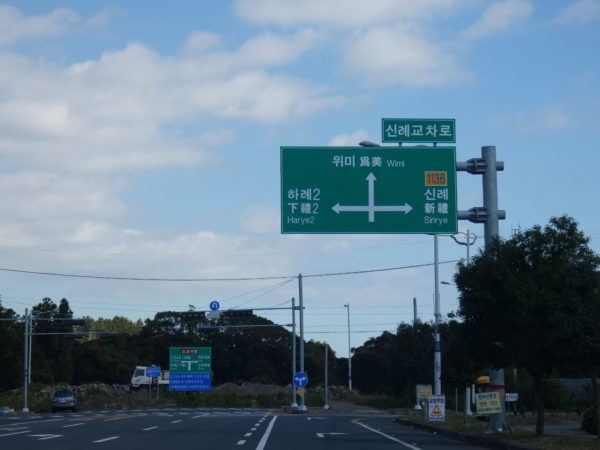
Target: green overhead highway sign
418,130
368,190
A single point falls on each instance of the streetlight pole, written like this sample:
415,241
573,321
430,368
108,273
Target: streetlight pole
347,305
470,239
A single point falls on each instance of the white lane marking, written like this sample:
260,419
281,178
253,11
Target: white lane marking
265,438
406,444
50,436
183,413
73,425
248,435
175,421
16,432
253,429
322,435
106,439
29,423
257,424
241,442
199,415
115,418
149,428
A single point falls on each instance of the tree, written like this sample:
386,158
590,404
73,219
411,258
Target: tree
519,297
11,350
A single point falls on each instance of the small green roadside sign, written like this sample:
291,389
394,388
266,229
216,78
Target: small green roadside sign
418,130
368,190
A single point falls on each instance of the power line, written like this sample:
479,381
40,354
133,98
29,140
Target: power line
182,280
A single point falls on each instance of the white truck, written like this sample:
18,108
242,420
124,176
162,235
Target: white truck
142,376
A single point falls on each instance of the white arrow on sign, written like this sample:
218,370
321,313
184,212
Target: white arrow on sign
371,208
322,435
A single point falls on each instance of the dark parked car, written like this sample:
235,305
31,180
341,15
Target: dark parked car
63,399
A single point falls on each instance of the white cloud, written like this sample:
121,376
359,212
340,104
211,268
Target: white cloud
341,13
548,117
352,140
580,12
261,220
498,17
399,56
109,114
16,27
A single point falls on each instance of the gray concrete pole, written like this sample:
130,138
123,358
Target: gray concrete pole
347,305
491,232
302,406
29,352
469,247
414,311
437,349
26,363
294,399
326,387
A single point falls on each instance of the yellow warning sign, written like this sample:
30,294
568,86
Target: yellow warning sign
300,391
437,412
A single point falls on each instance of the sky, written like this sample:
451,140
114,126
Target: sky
142,139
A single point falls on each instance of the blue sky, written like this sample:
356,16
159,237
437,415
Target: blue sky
142,139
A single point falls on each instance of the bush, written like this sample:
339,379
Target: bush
588,423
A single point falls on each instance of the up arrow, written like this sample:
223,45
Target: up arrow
371,180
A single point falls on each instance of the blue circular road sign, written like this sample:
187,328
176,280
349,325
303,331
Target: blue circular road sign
214,305
300,379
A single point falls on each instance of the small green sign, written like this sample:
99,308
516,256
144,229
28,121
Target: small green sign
368,190
189,359
418,130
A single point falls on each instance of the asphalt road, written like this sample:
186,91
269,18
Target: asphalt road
212,429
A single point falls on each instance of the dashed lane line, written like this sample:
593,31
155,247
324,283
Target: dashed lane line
16,432
73,425
241,442
176,421
248,435
29,423
391,438
99,441
149,428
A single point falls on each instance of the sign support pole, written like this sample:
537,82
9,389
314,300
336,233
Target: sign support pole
294,399
302,406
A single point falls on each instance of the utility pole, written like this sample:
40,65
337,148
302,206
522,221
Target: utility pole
326,387
415,311
302,406
437,348
347,305
294,400
489,215
26,324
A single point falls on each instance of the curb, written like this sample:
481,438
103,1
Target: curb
468,438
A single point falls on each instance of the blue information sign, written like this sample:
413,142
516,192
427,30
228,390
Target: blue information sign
153,371
214,305
193,381
300,379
